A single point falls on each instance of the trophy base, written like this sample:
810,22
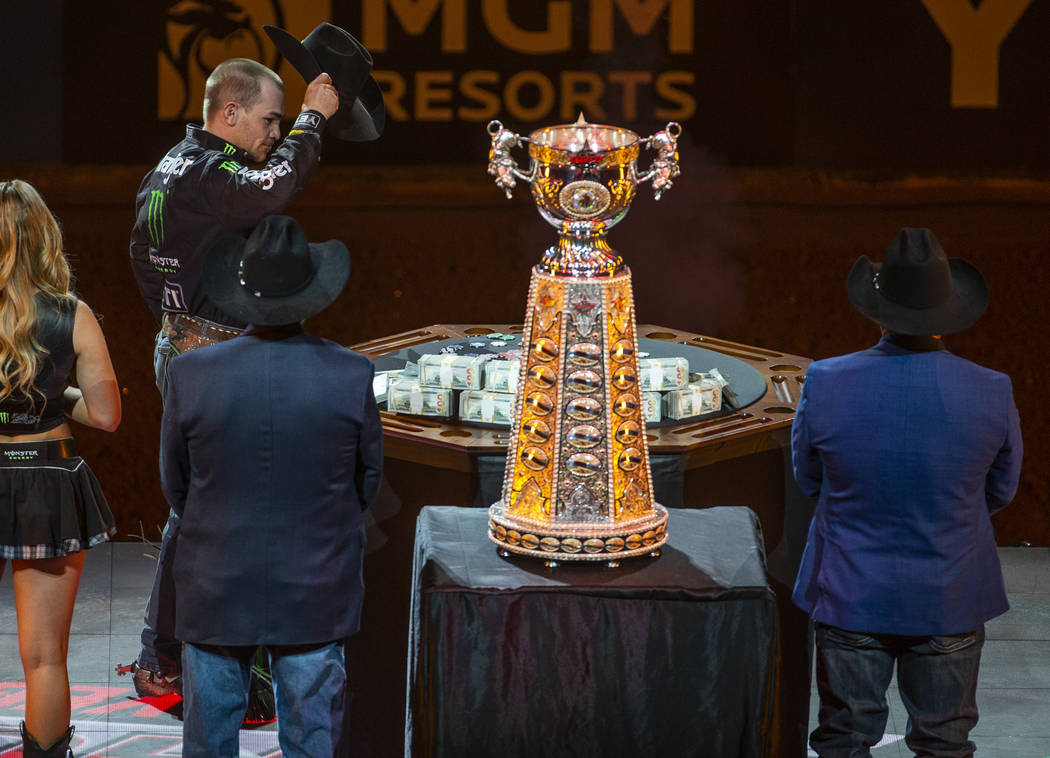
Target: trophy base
576,541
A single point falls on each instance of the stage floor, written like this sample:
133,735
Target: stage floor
1013,693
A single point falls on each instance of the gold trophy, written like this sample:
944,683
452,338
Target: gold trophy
578,484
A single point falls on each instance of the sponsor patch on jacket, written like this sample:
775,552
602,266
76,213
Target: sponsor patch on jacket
307,120
266,177
173,165
163,264
173,299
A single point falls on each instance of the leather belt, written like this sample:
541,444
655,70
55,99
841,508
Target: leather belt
186,332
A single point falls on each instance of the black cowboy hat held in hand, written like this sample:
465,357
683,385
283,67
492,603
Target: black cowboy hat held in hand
334,51
917,290
275,276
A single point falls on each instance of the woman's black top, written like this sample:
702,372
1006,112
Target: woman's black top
54,332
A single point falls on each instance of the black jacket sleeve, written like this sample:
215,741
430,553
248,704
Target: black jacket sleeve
243,195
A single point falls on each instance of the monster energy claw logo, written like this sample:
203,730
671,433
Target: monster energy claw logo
18,418
229,149
232,166
155,219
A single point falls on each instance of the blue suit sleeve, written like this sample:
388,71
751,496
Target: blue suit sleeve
1005,472
174,449
369,470
805,459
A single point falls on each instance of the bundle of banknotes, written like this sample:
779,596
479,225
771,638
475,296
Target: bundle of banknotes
409,396
450,371
729,397
502,376
383,379
661,374
699,397
485,407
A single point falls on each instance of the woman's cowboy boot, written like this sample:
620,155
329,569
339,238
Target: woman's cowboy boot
31,748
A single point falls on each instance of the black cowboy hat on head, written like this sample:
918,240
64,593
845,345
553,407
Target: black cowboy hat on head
275,276
334,51
918,290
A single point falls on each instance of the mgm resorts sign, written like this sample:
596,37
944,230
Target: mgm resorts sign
454,63
604,89
764,82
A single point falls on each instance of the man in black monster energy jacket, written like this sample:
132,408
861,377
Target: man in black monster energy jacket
207,184
204,186
225,176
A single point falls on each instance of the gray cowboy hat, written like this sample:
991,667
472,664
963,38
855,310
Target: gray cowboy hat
274,276
917,289
334,51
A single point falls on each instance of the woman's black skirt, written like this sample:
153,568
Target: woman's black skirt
51,504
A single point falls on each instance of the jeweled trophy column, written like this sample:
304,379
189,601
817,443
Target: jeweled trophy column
578,485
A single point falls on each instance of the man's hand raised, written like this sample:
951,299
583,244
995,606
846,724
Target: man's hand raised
321,96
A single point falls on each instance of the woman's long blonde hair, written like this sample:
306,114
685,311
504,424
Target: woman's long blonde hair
31,261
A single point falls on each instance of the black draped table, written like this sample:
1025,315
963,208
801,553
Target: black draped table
670,656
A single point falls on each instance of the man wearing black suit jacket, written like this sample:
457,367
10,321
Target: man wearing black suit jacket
271,449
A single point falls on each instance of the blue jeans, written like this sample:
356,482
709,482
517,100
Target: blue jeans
160,650
162,355
309,690
937,677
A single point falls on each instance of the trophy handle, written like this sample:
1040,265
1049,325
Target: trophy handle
665,165
501,164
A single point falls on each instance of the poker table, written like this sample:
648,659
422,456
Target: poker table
767,382
734,457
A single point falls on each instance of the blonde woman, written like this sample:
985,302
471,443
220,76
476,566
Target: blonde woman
51,506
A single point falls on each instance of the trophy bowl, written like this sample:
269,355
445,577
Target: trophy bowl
583,178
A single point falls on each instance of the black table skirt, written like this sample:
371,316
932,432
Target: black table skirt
668,656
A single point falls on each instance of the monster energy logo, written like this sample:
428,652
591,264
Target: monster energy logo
232,166
6,417
229,149
156,217
21,455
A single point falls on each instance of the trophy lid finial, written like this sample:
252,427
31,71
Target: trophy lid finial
581,121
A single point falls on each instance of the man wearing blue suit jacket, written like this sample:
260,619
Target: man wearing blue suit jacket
271,449
907,450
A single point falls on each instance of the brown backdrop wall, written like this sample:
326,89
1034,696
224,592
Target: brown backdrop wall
756,256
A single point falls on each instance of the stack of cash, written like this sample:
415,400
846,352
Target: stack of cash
487,407
502,376
651,406
729,398
699,397
459,372
384,379
663,373
409,396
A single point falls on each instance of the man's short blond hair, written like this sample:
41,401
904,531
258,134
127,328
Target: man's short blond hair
237,80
